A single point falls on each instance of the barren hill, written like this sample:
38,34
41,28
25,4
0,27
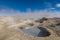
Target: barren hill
12,29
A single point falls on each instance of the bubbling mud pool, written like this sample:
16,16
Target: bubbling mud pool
36,32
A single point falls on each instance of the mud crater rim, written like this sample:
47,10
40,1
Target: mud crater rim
42,32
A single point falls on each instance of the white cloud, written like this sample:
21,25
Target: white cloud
36,14
52,8
58,5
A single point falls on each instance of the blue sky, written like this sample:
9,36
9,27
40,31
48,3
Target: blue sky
30,8
23,5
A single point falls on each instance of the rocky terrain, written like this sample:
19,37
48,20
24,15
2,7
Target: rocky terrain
12,28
